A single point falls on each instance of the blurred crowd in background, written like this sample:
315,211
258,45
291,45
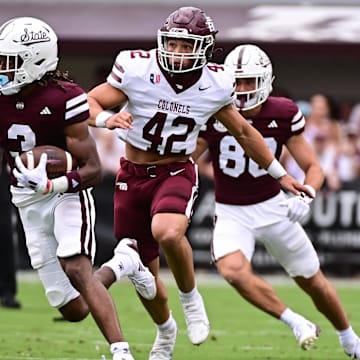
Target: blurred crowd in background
333,129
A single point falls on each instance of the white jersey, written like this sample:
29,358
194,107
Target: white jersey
167,119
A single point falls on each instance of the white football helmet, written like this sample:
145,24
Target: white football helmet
28,50
249,61
188,23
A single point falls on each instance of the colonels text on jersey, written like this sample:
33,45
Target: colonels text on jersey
167,116
240,180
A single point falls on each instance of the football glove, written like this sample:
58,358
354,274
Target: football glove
299,206
35,179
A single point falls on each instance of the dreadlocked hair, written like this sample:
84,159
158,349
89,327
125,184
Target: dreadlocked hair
55,77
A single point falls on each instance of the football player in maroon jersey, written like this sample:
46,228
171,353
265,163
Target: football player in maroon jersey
250,206
168,94
40,105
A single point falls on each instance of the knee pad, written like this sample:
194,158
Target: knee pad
58,288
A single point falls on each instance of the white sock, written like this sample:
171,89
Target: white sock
189,295
291,318
121,265
168,325
119,346
346,336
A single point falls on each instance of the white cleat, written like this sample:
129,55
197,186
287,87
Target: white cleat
197,322
119,356
352,349
121,353
164,344
141,277
306,334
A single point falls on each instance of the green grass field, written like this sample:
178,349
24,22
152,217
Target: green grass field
239,331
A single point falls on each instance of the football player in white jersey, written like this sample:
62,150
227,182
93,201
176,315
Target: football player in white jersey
40,105
250,205
168,93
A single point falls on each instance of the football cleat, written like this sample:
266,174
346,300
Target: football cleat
352,349
121,353
306,333
141,277
197,322
118,356
164,344
9,301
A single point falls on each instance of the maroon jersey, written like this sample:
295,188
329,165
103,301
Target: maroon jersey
238,179
40,118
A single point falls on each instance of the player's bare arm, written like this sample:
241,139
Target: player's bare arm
201,156
102,98
304,155
83,148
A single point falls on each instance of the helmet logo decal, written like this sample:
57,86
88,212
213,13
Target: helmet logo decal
31,37
263,60
210,24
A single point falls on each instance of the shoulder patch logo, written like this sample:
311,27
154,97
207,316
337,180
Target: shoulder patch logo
155,78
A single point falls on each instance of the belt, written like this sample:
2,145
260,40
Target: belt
151,171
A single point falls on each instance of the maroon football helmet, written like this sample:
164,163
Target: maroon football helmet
193,25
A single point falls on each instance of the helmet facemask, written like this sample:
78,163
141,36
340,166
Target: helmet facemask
247,100
12,73
199,55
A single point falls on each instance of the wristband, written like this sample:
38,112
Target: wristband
59,185
102,118
71,182
276,170
312,191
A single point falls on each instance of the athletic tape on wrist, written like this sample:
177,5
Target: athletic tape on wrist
70,183
276,170
312,191
59,185
102,118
